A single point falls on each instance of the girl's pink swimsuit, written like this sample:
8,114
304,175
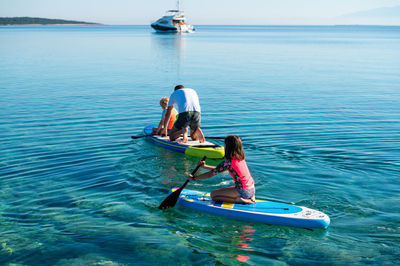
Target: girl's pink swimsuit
238,170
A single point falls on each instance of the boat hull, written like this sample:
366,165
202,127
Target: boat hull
164,29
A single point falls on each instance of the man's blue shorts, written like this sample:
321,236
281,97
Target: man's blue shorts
191,118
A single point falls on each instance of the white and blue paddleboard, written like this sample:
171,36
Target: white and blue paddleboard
192,147
267,212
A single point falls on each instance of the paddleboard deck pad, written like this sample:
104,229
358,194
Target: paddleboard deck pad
192,147
267,212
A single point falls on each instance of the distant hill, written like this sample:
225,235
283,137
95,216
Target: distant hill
40,21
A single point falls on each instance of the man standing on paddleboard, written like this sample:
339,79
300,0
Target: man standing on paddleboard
189,110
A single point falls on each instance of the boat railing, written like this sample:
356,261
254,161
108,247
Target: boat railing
175,13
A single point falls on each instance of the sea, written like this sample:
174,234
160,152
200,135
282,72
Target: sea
317,108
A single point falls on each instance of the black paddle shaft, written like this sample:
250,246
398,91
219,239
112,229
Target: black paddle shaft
172,198
138,137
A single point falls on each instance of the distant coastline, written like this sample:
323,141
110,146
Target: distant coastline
4,21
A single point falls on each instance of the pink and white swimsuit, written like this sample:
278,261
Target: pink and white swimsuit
238,170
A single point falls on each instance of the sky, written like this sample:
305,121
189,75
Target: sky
204,12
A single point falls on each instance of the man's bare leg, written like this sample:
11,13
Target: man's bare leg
175,133
185,136
197,135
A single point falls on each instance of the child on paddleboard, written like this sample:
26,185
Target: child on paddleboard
243,191
164,105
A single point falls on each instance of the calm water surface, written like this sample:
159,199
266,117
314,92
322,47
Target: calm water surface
318,109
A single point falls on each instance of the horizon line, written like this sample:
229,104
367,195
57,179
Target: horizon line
263,24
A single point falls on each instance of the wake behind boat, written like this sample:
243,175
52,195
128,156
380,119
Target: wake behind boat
174,21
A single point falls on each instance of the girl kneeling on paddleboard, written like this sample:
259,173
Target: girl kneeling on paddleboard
243,191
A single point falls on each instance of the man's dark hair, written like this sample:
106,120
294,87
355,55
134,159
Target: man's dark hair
179,87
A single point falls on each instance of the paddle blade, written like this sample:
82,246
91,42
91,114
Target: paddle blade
171,200
138,137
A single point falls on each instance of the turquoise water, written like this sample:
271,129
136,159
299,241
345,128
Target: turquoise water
318,109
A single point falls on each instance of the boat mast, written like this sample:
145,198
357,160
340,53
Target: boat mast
177,5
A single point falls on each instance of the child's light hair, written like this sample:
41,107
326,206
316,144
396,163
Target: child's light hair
164,101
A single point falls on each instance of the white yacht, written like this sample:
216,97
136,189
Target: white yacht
173,21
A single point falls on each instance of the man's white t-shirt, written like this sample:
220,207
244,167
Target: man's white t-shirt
186,99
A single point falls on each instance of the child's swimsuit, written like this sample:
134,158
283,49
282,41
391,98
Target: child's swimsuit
171,119
244,183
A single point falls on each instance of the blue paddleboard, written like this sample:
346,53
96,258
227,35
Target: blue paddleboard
262,211
192,147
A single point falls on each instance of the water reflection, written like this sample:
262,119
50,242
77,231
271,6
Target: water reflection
173,173
168,50
243,241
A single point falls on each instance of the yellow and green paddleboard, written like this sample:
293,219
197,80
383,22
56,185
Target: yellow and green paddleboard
191,148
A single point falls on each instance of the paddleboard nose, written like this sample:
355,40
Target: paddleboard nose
327,221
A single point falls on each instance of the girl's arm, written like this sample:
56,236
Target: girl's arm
208,167
210,173
222,167
199,177
205,166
